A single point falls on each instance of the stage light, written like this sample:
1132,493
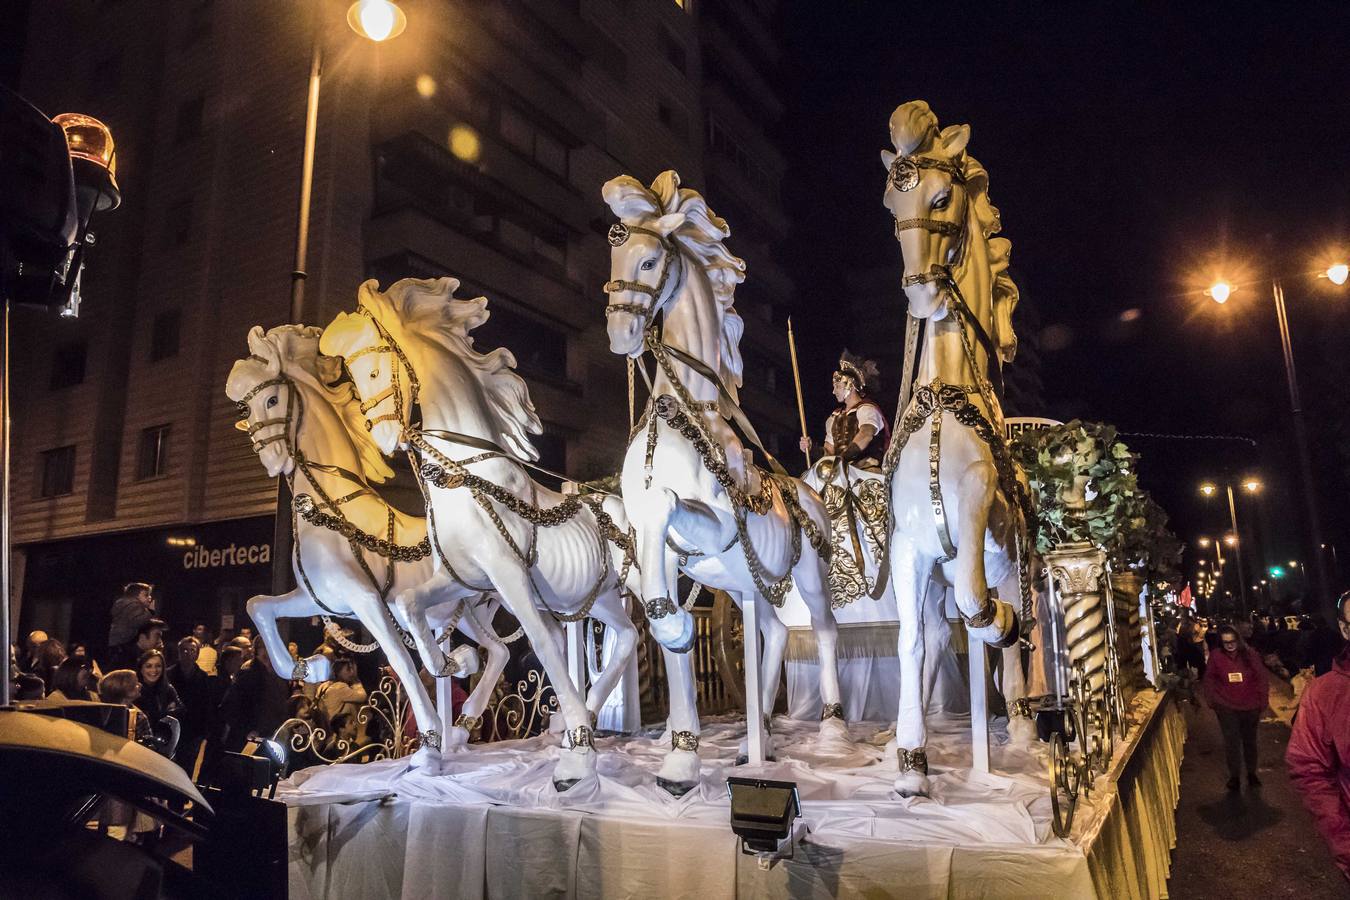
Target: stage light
762,812
1220,291
1338,273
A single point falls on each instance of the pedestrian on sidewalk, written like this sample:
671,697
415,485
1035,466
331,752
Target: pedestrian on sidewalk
1237,687
1318,755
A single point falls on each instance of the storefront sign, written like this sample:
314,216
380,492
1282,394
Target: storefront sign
233,555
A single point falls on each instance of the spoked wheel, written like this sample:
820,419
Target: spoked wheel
1065,780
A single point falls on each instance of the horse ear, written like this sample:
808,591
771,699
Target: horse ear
954,138
257,342
887,159
669,222
328,341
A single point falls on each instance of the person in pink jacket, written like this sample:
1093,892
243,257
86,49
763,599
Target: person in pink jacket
1318,756
1237,687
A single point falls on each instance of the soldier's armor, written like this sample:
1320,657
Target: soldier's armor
845,427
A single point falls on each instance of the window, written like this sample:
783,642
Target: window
153,458
178,224
673,50
188,125
673,118
164,334
68,365
546,150
58,472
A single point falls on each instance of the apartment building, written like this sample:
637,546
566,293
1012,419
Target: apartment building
474,144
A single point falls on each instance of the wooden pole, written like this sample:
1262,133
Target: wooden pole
797,381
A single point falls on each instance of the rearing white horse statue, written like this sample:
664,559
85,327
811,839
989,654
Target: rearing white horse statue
959,503
352,550
492,526
696,504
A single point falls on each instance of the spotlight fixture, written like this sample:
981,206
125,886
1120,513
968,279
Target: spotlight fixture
762,812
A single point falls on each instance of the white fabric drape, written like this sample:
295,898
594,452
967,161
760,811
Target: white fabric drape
493,826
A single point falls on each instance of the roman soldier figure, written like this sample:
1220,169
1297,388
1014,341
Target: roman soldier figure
856,432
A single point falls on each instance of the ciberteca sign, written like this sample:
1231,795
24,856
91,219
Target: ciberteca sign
232,555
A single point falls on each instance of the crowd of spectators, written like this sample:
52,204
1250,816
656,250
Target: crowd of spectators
211,693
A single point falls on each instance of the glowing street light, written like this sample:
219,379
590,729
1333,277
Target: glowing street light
1220,291
378,20
1338,273
1251,485
1230,540
1208,489
1204,541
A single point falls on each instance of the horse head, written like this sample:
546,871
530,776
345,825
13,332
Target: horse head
668,244
929,194
380,370
390,336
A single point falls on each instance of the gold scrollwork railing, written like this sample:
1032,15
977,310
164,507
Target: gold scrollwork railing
380,720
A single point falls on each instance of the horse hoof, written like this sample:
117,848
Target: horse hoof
564,784
912,784
675,788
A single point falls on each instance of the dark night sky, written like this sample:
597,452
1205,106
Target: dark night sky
1133,154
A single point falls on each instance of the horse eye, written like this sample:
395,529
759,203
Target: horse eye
271,402
942,200
648,265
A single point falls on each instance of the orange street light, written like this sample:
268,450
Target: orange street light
1251,485
378,20
1219,291
1338,273
1208,489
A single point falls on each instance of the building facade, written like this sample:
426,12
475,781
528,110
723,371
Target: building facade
474,145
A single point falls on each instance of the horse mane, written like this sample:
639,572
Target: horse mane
914,131
293,351
429,307
703,235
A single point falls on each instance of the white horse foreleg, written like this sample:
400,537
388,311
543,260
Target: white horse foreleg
811,585
412,606
578,756
609,609
680,769
479,629
375,615
976,494
295,604
670,625
909,574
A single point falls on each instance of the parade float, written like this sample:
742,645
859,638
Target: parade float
1055,774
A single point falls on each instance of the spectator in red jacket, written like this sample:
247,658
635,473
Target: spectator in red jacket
1319,749
1237,688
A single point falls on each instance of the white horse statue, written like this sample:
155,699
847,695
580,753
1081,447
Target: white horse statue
492,526
352,550
959,503
696,503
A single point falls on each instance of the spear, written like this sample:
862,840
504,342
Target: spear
797,380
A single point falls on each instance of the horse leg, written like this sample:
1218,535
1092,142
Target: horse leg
909,574
811,585
411,607
295,604
480,632
609,609
578,754
1013,684
996,620
680,769
371,609
671,626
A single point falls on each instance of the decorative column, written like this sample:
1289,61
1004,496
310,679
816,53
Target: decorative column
1076,571
1125,589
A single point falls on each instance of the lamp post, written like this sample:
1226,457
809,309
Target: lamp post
1251,486
1219,292
375,20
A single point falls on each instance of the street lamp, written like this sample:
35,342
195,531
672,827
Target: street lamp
1220,291
1251,485
375,20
